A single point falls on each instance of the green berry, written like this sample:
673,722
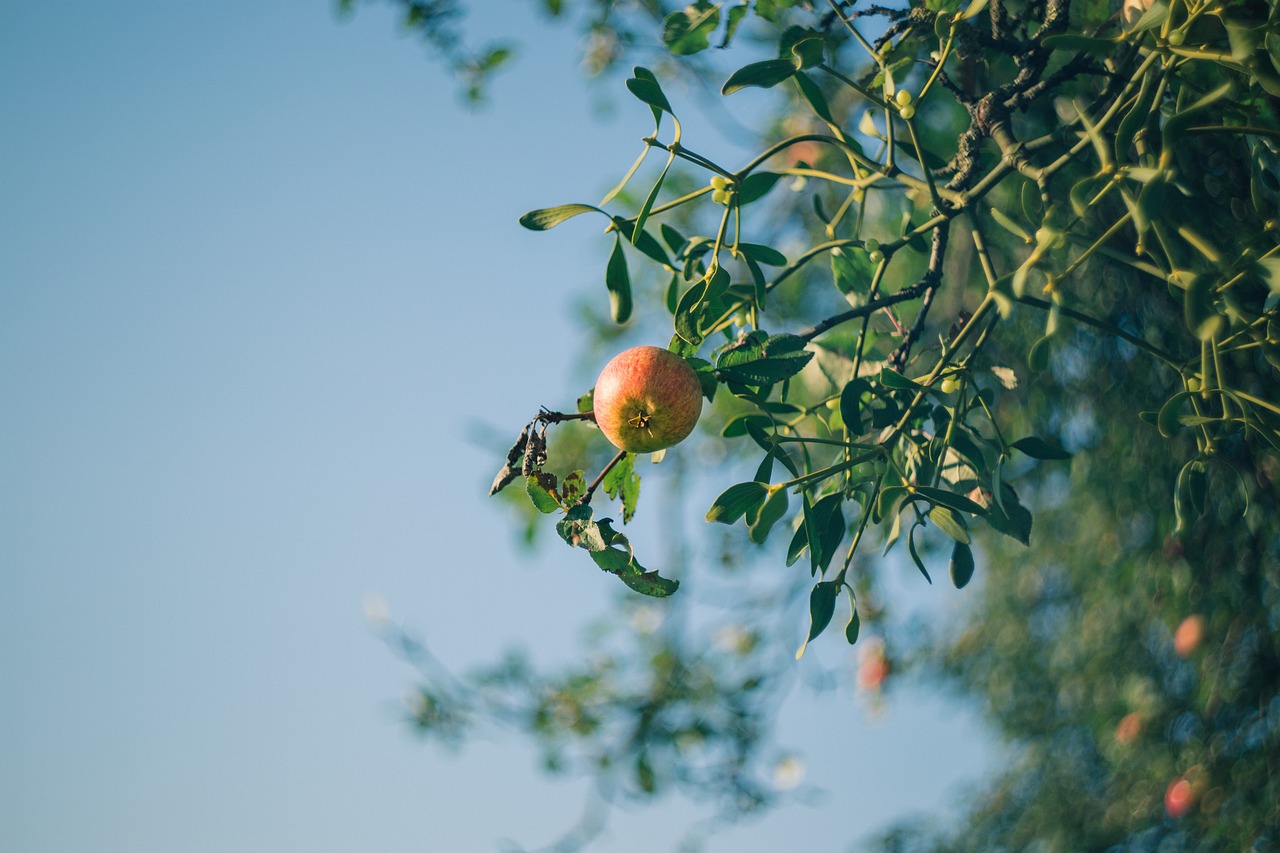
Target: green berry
875,257
908,112
1193,384
720,196
871,245
1177,37
950,385
903,97
718,182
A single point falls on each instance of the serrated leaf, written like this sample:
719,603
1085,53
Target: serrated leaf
623,482
573,487
732,19
737,500
688,31
540,487
549,217
768,370
579,530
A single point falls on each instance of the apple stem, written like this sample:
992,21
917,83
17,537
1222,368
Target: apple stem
549,417
591,489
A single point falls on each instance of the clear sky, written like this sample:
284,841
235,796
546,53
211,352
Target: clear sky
260,277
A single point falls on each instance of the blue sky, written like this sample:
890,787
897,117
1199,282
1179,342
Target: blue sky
257,285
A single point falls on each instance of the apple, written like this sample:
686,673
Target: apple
1188,636
647,399
1179,798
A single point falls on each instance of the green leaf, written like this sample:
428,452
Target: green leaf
1176,127
755,186
915,557
649,583
950,523
854,623
652,197
949,499
738,425
540,487
579,530
618,281
811,93
1038,355
822,606
642,240
826,529
808,52
1039,448
644,85
851,405
737,500
763,75
623,482
1009,225
1202,318
573,487
892,379
766,255
772,511
549,217
1010,517
688,31
732,20
1152,18
706,376
961,566
768,370
1167,420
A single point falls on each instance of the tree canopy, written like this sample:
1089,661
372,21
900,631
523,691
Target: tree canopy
999,291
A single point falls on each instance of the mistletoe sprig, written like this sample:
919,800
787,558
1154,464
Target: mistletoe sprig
881,415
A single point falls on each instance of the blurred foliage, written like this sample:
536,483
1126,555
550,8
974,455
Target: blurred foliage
1019,269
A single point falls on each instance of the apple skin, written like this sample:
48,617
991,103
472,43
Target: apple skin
647,399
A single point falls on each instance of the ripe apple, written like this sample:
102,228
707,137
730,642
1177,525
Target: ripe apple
1189,634
1179,798
647,399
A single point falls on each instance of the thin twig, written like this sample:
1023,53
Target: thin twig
591,489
